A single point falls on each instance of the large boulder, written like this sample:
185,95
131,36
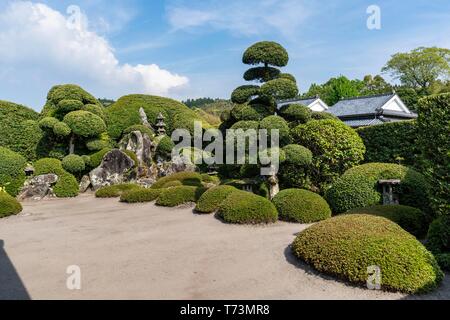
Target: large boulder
38,187
141,144
116,168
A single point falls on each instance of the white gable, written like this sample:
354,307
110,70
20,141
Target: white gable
318,106
396,104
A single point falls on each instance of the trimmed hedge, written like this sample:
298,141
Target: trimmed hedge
295,113
294,173
73,163
176,196
140,195
358,187
244,93
48,165
116,190
8,205
85,124
12,171
247,208
186,178
393,142
277,123
211,199
268,52
280,89
297,205
164,147
438,238
411,219
67,186
346,246
251,112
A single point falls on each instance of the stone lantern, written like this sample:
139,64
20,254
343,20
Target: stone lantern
160,125
389,197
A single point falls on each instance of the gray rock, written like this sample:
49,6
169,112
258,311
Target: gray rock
85,183
38,187
141,145
116,168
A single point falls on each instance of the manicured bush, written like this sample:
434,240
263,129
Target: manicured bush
411,219
277,123
176,196
61,129
8,205
335,146
171,184
12,174
85,124
251,112
295,113
116,190
317,115
48,123
73,163
294,172
247,208
280,89
358,187
69,105
297,205
244,93
67,186
207,178
140,195
95,109
392,142
48,165
211,199
165,147
434,141
438,238
266,52
298,155
186,178
96,159
346,246
262,74
245,125
98,143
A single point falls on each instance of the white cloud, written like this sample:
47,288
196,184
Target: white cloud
39,47
246,18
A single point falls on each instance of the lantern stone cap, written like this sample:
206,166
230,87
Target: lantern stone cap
390,181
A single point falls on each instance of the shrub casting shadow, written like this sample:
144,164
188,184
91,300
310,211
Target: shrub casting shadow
11,286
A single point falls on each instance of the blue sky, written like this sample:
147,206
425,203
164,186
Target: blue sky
193,49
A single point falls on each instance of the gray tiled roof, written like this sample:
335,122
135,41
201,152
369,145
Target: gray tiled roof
360,105
362,122
305,102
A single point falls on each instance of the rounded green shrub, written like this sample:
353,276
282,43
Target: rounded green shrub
97,144
48,123
294,173
8,205
140,195
266,52
297,205
12,171
48,165
261,74
280,89
207,178
212,198
85,124
186,178
336,148
346,246
251,112
67,186
244,93
116,190
411,219
65,92
176,196
438,238
358,187
171,184
247,208
245,125
69,105
298,155
95,109
164,147
317,115
277,123
295,113
61,129
141,128
73,163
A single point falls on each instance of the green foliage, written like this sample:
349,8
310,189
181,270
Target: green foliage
247,208
19,131
61,129
68,105
212,198
8,205
12,174
244,93
186,178
96,159
171,184
266,52
345,246
394,142
434,141
176,196
164,147
358,187
438,238
133,156
443,260
48,165
411,219
67,186
98,144
254,112
280,89
335,146
140,195
298,155
141,128
315,115
277,123
95,109
85,124
116,190
245,125
261,74
73,163
294,173
48,123
297,205
207,178
335,89
295,113
287,76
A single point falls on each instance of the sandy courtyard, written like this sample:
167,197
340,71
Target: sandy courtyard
148,252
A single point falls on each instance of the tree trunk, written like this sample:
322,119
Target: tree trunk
72,144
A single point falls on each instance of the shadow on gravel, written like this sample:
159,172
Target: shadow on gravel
11,286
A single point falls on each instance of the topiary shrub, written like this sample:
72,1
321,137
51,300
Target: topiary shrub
85,124
277,123
67,186
48,165
140,195
73,163
244,93
247,208
266,52
335,146
297,205
212,198
358,187
116,190
295,113
176,196
438,238
164,147
294,172
245,125
251,112
346,246
411,219
280,89
186,178
207,178
8,205
317,115
12,171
